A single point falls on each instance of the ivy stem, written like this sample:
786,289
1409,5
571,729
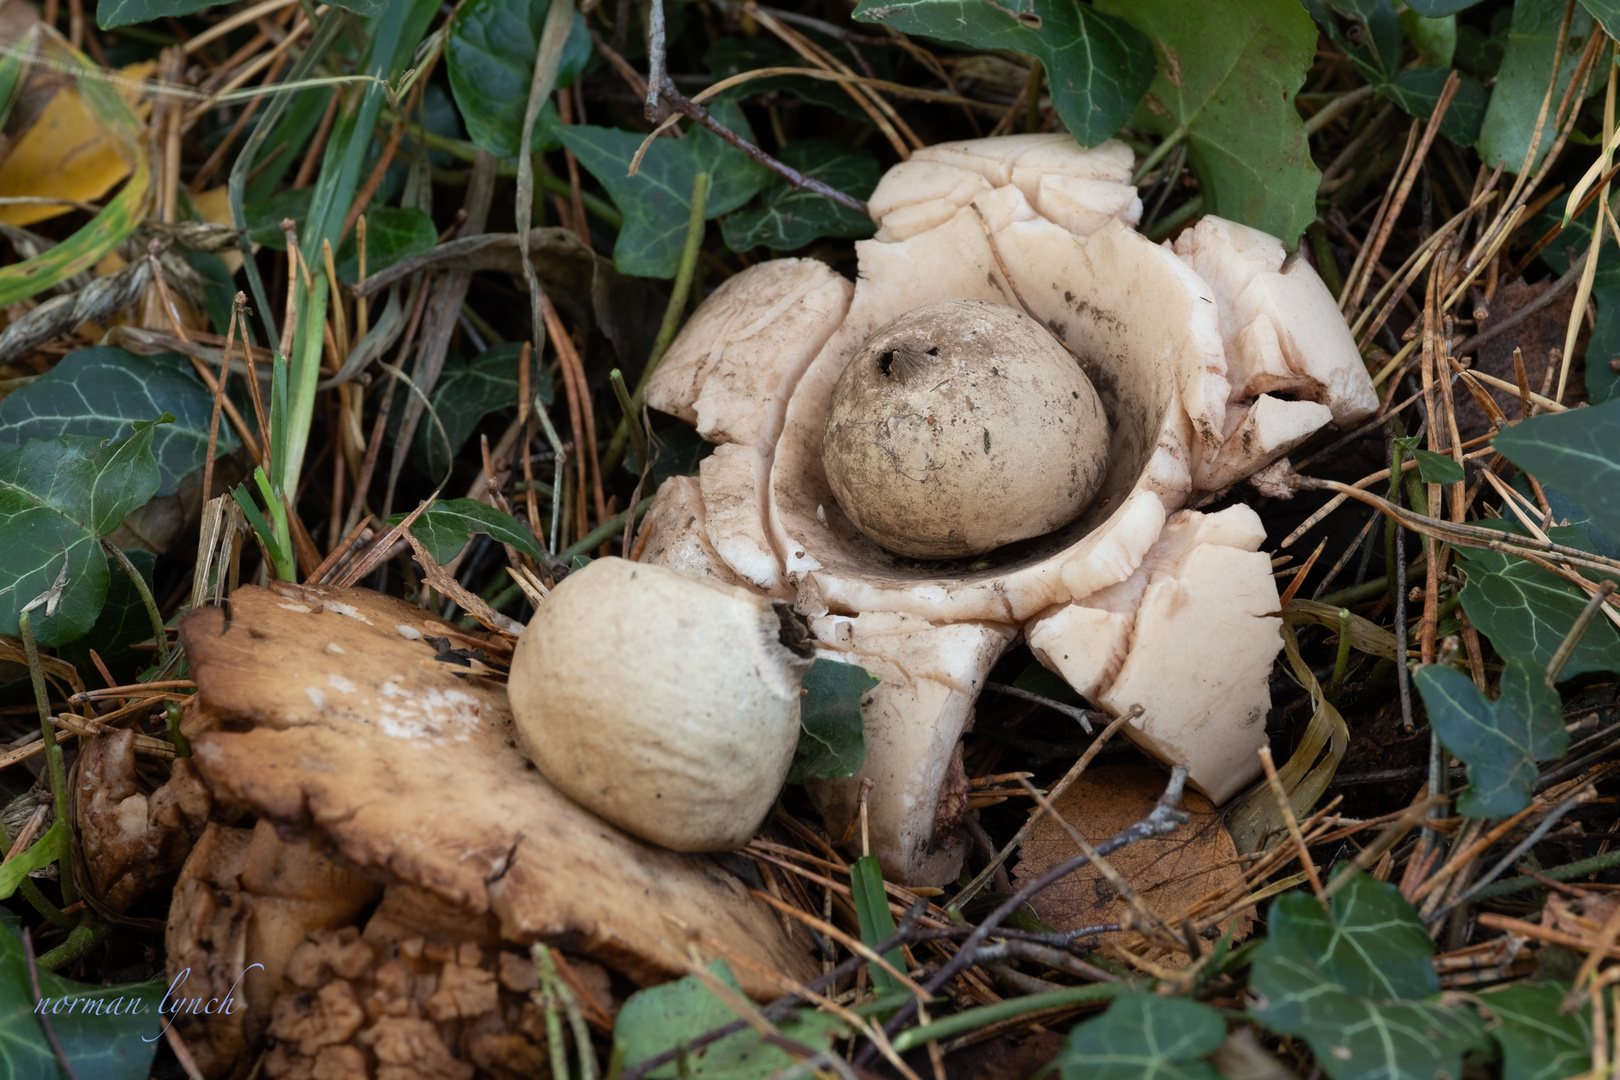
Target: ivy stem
83,938
55,765
672,318
160,633
1171,141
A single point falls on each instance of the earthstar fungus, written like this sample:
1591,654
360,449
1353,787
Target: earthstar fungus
1211,359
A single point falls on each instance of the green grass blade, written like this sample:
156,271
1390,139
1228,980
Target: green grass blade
877,924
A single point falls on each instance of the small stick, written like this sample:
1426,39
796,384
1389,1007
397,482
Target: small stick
1566,648
972,888
44,1021
1292,822
1080,716
787,172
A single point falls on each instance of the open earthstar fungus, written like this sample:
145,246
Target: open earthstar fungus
1212,359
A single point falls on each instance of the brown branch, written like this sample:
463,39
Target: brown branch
793,176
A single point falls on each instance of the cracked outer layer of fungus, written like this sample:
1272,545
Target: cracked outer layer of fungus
1212,358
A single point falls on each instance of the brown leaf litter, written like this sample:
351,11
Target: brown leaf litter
1172,874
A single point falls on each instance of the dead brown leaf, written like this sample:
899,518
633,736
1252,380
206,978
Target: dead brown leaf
1536,337
1172,874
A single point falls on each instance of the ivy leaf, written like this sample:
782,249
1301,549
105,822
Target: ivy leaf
788,218
445,527
123,620
465,394
1521,82
1437,468
1606,12
1526,611
1372,944
1434,9
1579,451
114,13
832,735
660,1018
1144,1035
1500,741
1417,91
1227,78
1539,1040
1603,381
1096,65
490,52
1376,50
108,1032
657,201
734,55
102,391
1435,39
58,498
1357,985
392,234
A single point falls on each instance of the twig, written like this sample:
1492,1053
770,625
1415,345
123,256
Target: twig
656,73
793,176
1080,716
44,1021
972,888
1566,648
1163,820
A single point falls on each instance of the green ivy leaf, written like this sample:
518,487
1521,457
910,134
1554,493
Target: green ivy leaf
123,620
1437,468
108,1032
445,527
392,234
102,391
1500,741
1357,985
58,498
657,201
1096,65
1603,381
832,735
1227,77
1521,83
265,216
1376,50
1579,451
1434,38
660,1018
1539,1040
1606,12
466,393
114,13
734,55
1434,9
788,219
490,53
1526,611
1417,91
1144,1035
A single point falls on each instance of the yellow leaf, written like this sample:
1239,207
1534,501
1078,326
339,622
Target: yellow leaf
66,154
